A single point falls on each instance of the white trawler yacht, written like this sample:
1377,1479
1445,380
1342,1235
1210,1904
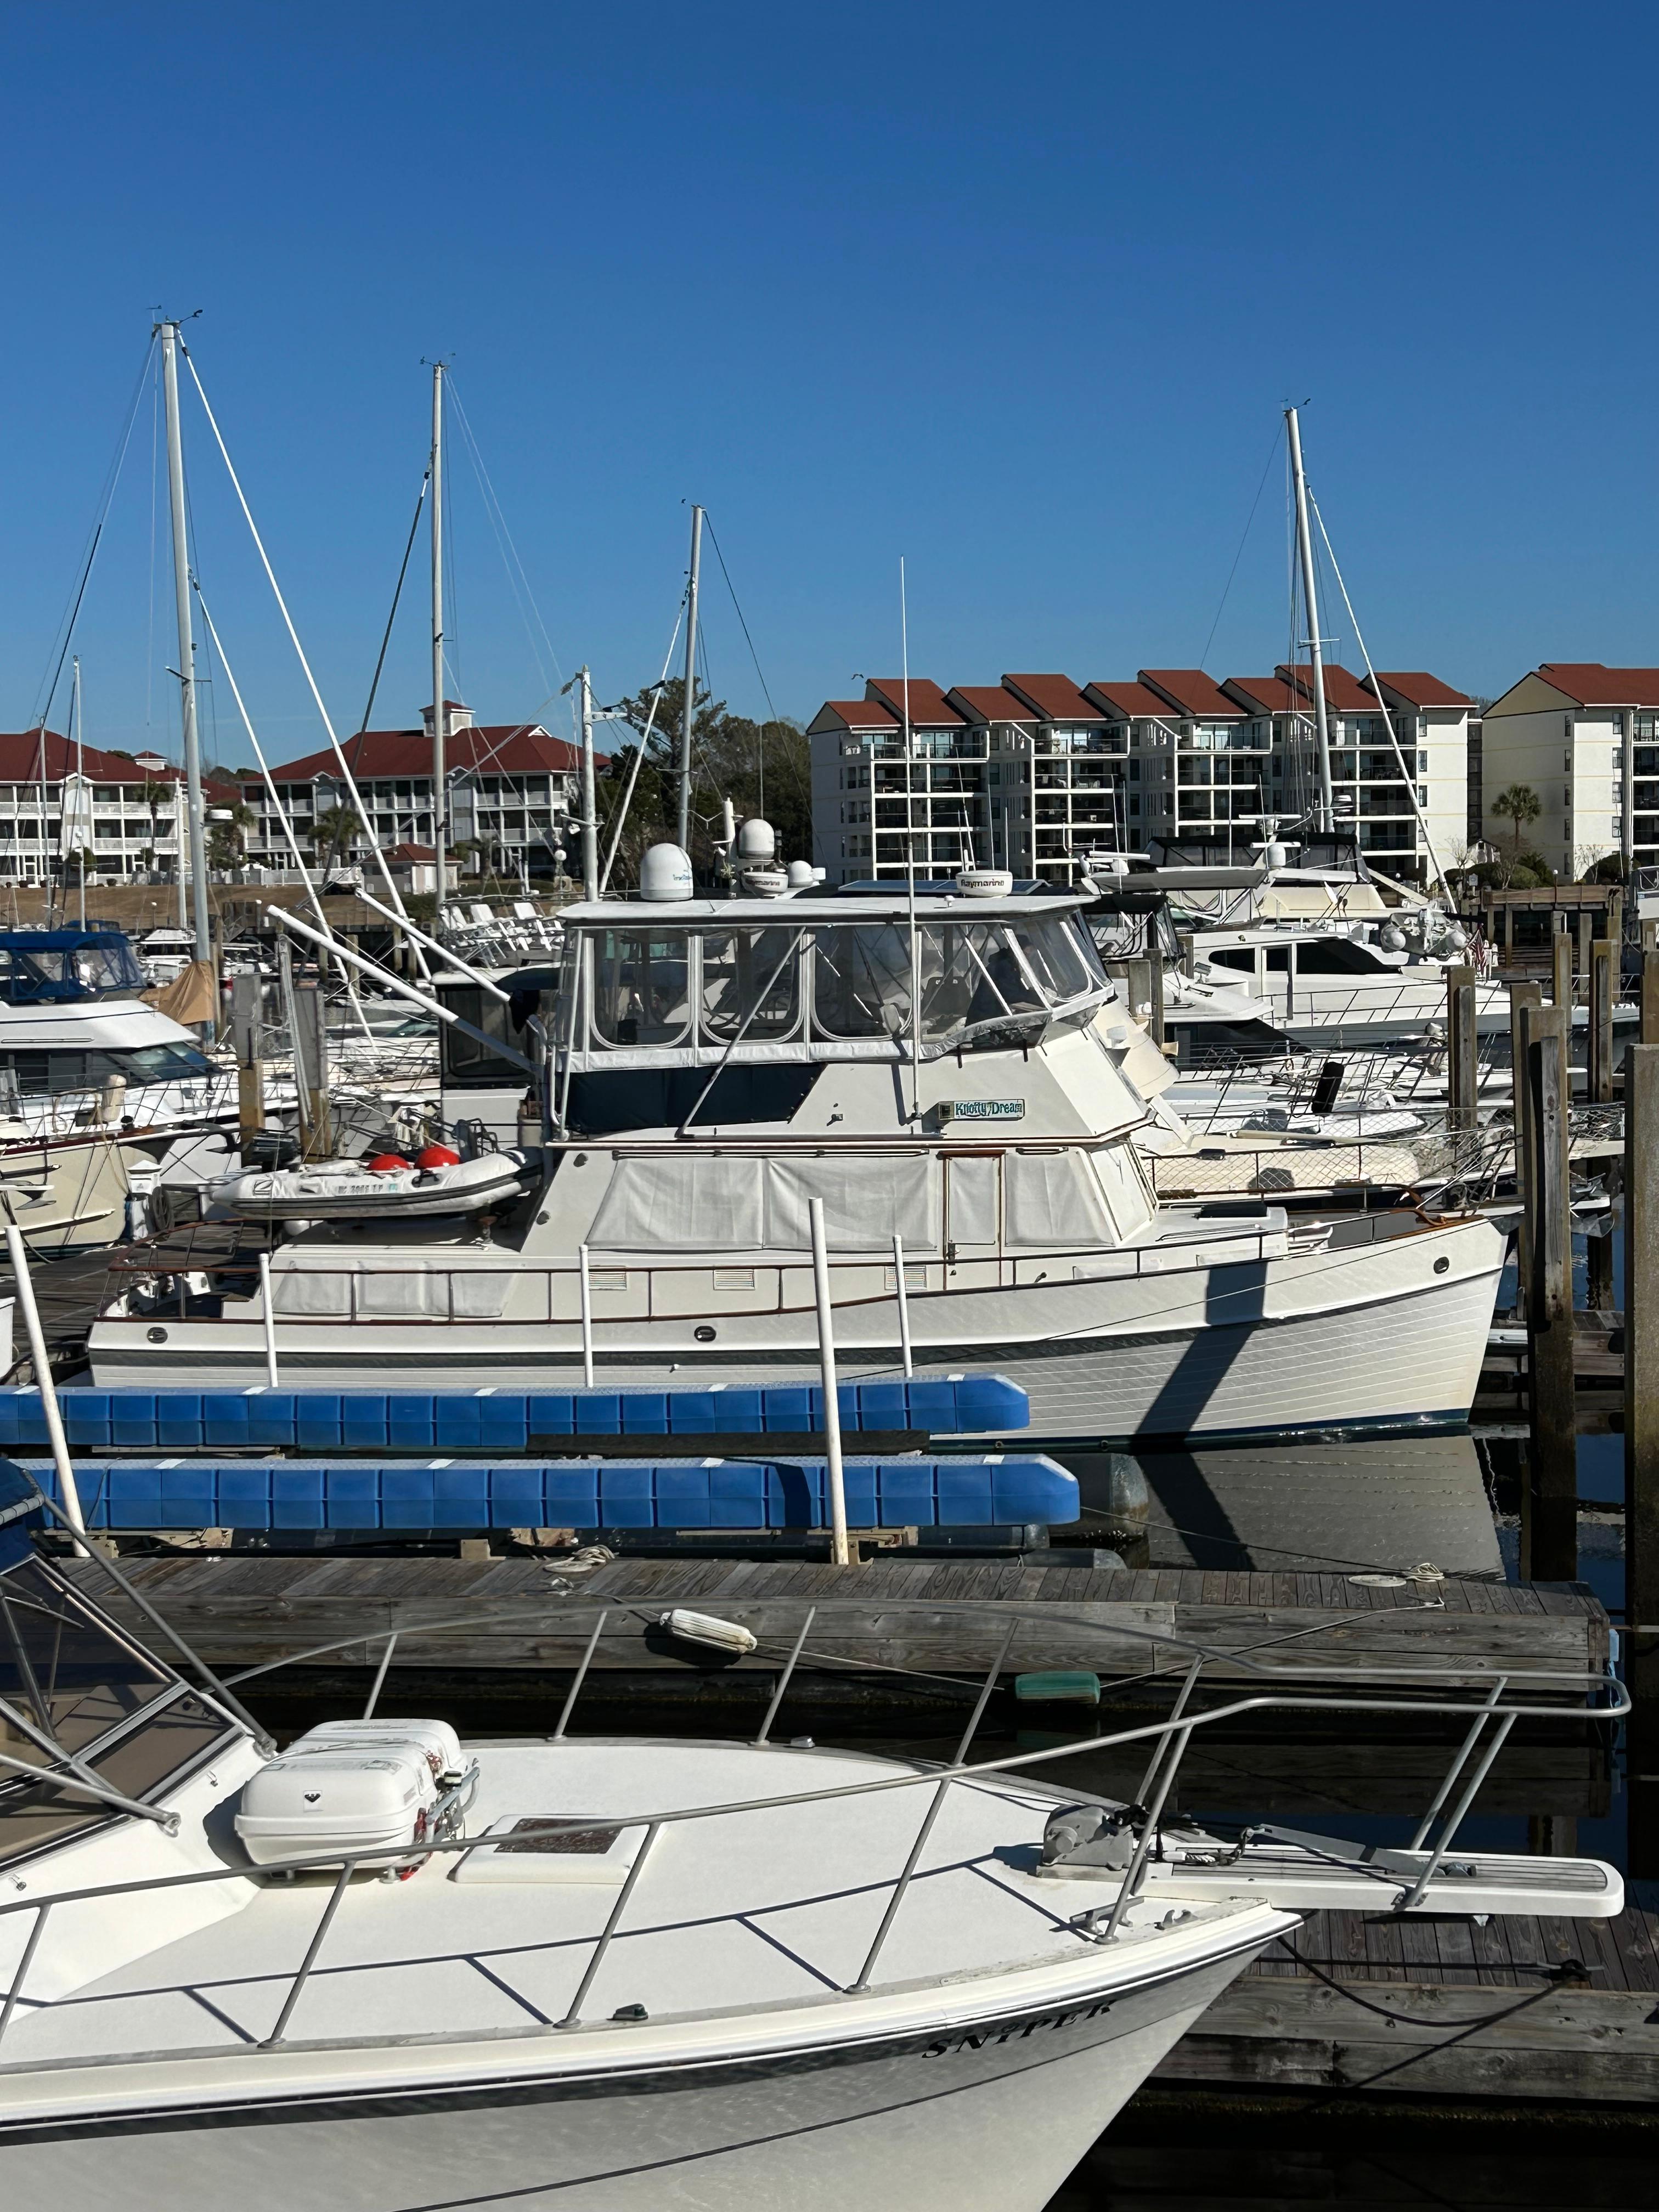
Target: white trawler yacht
387,1970
954,1077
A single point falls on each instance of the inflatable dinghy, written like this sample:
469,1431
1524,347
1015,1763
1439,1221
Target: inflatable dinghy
349,1190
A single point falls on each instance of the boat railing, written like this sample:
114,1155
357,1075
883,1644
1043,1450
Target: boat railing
1491,1711
589,1287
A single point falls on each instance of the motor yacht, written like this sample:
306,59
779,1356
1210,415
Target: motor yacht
956,1079
388,1969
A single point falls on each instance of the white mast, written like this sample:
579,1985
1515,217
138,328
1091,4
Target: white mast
682,832
439,825
1325,819
910,857
590,802
80,785
192,824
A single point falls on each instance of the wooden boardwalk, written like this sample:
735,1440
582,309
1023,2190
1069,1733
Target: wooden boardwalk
1370,2003
242,1610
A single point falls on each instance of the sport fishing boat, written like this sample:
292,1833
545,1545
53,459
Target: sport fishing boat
387,1968
957,1080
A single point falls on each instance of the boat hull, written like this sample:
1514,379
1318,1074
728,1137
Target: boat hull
1380,1335
989,2116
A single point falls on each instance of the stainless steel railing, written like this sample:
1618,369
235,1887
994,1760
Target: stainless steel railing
1170,1738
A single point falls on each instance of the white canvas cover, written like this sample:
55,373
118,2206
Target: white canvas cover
1052,1198
698,1202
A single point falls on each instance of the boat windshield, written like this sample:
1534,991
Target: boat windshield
73,1689
54,965
848,981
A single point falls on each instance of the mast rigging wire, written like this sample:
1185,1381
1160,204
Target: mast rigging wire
1387,719
112,479
294,636
1239,556
282,812
505,543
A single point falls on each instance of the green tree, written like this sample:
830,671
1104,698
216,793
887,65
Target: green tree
336,830
1519,804
762,767
151,794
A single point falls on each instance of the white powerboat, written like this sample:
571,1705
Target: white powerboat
389,1970
719,1063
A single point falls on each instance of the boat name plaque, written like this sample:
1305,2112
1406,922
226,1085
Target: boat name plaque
984,1109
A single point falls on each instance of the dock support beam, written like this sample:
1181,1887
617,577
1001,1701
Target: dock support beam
1641,1446
1549,1518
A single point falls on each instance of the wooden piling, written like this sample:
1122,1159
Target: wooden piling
1642,1451
1561,965
246,1009
1650,993
1603,972
1599,1294
1524,999
1463,1056
1549,1515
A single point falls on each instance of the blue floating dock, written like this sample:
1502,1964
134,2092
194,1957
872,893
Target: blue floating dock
322,1420
585,1494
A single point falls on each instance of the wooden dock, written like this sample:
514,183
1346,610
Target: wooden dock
940,1617
1369,2004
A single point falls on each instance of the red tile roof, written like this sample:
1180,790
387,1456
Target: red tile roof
1268,695
855,714
1421,689
1056,698
989,702
929,708
1194,693
406,856
1128,702
1594,685
494,749
21,762
1343,695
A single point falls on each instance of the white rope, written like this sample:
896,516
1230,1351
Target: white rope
282,812
293,635
1387,719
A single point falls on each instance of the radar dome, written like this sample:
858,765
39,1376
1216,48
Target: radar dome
665,873
757,842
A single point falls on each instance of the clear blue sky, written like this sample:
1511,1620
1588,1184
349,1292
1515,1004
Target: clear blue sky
1016,293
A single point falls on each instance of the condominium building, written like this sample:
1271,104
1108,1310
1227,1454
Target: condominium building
1037,773
512,787
59,801
1584,740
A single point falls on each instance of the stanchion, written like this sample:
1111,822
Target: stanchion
1642,1451
269,1316
17,1252
838,1550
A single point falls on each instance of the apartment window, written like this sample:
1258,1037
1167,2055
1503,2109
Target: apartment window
1618,722
1422,763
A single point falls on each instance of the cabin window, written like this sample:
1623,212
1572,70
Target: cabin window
733,1201
641,987
861,982
1052,1198
1336,956
751,983
1054,947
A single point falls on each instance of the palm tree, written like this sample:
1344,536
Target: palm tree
337,830
151,796
1519,804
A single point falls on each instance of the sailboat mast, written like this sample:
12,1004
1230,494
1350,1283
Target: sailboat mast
80,785
590,797
1327,814
192,823
682,832
440,718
